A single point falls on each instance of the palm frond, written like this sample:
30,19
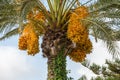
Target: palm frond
46,13
102,31
116,34
6,27
104,22
103,5
9,34
87,2
4,1
114,22
113,13
27,6
113,48
65,12
8,16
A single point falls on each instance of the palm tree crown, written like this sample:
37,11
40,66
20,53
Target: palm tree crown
101,18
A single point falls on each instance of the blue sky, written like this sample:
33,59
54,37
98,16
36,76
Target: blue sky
17,65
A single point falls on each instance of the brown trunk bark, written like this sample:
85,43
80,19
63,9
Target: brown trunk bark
55,46
51,65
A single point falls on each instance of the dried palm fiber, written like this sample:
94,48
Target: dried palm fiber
31,39
19,1
76,31
77,55
36,17
39,16
30,15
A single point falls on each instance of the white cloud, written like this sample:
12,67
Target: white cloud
10,63
99,53
14,65
85,71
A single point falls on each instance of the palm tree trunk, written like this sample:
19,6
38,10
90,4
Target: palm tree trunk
57,67
51,65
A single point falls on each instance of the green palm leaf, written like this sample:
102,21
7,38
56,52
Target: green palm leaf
102,31
8,16
9,34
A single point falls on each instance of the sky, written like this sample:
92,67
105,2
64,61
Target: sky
17,65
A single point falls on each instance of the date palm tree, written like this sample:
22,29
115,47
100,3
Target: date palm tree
64,25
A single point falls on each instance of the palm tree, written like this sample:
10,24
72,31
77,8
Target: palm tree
109,72
64,25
